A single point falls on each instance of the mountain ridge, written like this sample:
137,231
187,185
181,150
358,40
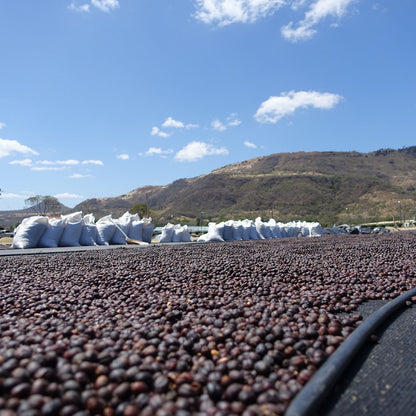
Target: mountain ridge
328,187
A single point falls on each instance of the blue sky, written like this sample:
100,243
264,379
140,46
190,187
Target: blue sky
99,97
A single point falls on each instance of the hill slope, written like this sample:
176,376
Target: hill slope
329,187
321,186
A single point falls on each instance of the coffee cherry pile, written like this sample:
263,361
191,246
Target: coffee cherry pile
200,329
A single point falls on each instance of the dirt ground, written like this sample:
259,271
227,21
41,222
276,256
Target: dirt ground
6,242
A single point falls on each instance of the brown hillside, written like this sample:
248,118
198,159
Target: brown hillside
329,187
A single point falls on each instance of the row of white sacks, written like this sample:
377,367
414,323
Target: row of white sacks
259,230
76,230
174,233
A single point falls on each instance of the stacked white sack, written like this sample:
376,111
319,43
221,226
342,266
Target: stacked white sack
175,233
74,230
259,230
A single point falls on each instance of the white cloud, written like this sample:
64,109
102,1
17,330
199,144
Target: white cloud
217,125
105,5
191,126
79,176
318,11
170,122
66,195
24,162
8,147
157,151
197,150
93,162
19,196
157,132
232,121
51,168
275,108
2,125
69,162
250,144
79,8
123,156
226,12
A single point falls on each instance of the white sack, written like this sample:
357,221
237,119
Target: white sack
105,230
177,233
29,232
237,231
53,233
124,224
213,234
166,234
228,231
185,236
136,230
89,231
246,229
147,232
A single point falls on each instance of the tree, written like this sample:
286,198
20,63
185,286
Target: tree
140,209
43,205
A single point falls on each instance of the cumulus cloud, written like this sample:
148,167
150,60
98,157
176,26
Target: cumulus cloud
197,150
191,126
123,156
7,147
232,121
157,151
157,132
318,11
2,125
275,108
226,12
103,5
170,122
217,125
79,7
250,144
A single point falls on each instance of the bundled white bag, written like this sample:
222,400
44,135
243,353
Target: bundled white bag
29,232
228,231
136,228
105,230
72,231
237,231
177,233
147,231
261,228
166,234
53,233
214,233
124,224
185,235
89,231
246,227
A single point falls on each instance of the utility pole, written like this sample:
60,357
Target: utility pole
400,207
